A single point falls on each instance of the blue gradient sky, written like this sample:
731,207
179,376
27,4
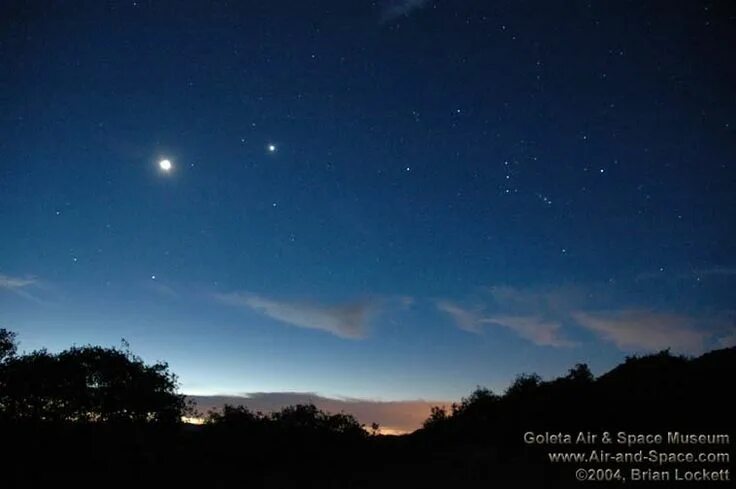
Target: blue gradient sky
459,192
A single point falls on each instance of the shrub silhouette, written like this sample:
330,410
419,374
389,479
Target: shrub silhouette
657,391
8,346
117,415
297,420
437,416
90,384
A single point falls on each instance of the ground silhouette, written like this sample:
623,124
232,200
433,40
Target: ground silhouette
94,416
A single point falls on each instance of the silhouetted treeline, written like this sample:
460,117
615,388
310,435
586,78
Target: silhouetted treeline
98,416
650,394
658,391
303,420
87,383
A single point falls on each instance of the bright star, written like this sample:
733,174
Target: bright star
165,165
271,148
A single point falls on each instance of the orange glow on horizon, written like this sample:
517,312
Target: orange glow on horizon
192,420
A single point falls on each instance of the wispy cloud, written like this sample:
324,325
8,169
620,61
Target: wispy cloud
538,330
543,314
21,286
345,320
639,330
15,283
547,300
405,301
465,319
162,289
393,416
393,9
533,328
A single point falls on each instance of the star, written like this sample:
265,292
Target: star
165,165
271,148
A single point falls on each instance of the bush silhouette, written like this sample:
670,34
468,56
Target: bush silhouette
93,410
8,346
656,391
90,384
297,420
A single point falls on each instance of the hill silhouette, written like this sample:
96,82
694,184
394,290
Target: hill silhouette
94,416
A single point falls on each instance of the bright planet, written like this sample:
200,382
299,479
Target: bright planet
165,165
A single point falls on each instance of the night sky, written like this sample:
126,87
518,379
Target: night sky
381,200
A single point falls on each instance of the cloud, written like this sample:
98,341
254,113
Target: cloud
541,314
392,416
346,320
25,287
533,328
536,329
393,9
405,301
162,289
547,300
15,283
465,319
640,330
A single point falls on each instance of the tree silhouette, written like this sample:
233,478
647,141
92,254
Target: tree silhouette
8,346
88,383
524,385
580,373
234,415
478,442
437,416
300,419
